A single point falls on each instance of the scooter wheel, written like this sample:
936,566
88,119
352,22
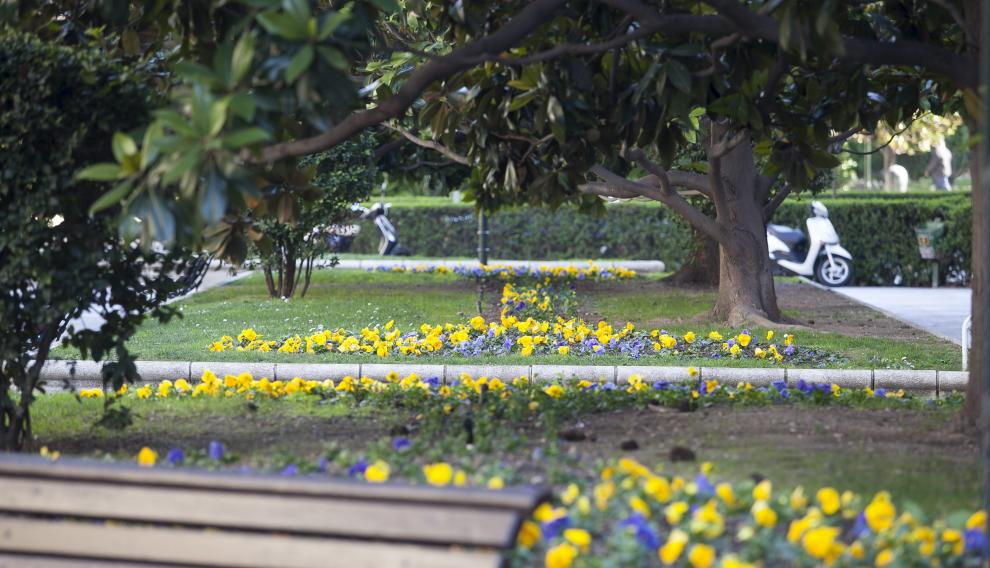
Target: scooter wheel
835,274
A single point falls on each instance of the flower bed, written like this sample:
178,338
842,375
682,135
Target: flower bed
518,273
624,513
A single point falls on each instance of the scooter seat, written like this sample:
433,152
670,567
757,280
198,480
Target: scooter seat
787,235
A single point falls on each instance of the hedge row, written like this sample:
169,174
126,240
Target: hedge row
878,232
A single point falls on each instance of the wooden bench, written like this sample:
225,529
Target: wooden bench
73,513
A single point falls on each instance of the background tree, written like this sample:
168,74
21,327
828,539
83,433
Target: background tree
59,108
343,175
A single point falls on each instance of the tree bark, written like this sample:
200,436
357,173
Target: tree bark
702,266
270,282
978,360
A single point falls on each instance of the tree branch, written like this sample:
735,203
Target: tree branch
530,18
770,208
431,144
961,69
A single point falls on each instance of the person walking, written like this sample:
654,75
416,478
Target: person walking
940,166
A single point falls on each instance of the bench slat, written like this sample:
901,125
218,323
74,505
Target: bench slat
519,499
165,545
435,523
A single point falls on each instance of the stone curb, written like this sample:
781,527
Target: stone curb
86,374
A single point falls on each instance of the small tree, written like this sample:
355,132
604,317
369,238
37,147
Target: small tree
291,244
59,108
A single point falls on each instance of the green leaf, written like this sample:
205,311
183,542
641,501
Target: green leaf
111,198
243,105
100,172
246,137
123,146
334,57
214,201
240,58
679,75
389,6
284,25
299,64
521,84
334,21
298,8
218,115
522,100
195,72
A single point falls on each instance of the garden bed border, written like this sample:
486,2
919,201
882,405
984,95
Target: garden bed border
63,374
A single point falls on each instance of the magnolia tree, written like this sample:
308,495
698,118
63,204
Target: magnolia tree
582,92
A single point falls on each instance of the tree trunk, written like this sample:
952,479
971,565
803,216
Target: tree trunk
270,282
289,265
889,159
746,294
702,266
978,360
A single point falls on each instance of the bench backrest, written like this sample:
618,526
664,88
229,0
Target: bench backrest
84,512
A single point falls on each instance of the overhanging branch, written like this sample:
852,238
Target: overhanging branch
431,144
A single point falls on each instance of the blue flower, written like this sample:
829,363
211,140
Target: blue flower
215,451
860,528
976,540
553,528
705,487
645,533
322,465
358,468
175,456
290,470
789,350
880,393
779,385
401,443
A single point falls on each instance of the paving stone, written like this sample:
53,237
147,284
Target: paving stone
316,371
918,382
503,372
653,374
157,371
846,378
952,381
546,373
257,370
381,370
757,376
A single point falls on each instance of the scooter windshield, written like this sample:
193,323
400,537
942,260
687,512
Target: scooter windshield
821,230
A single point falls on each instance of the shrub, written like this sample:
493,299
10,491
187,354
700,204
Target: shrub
877,229
58,109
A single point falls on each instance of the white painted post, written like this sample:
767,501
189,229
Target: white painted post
966,338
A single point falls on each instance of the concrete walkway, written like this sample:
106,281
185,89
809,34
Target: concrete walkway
371,263
940,311
216,275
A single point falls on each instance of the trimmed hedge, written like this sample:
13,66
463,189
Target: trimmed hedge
877,230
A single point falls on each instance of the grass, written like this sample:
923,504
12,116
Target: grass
355,299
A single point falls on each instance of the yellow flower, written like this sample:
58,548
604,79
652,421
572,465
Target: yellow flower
675,512
377,472
760,353
770,335
818,542
689,337
701,556
561,556
460,478
640,506
880,512
735,350
496,483
658,488
955,539
744,339
563,350
529,534
725,493
144,392
763,490
579,538
438,474
885,558
692,372
570,494
671,551
147,457
715,336
977,520
828,498
764,515
788,339
554,390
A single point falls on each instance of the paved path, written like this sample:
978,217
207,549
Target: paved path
940,311
93,318
637,265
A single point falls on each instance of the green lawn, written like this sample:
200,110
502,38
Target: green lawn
355,299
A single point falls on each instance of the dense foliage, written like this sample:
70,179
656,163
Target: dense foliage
293,235
646,231
59,108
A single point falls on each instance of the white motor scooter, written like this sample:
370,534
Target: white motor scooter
819,255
